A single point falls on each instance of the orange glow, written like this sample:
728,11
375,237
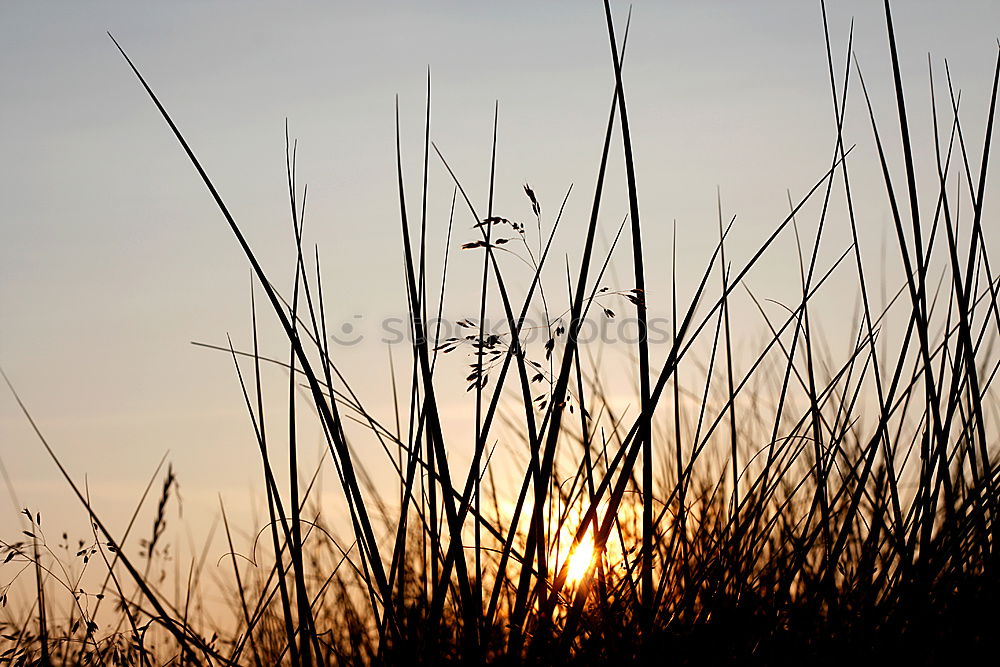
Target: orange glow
580,559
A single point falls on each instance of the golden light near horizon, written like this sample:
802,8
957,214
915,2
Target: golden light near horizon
576,561
581,558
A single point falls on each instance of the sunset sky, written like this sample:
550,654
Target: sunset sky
113,258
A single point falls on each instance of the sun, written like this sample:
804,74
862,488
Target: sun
580,559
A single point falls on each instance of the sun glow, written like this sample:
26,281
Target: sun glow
580,559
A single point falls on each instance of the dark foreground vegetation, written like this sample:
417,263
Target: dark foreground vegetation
793,506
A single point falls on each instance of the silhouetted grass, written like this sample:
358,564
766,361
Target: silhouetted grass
809,507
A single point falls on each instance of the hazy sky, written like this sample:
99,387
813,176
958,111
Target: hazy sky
113,257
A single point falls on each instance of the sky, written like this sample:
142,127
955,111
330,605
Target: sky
113,258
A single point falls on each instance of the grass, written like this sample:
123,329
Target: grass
785,505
